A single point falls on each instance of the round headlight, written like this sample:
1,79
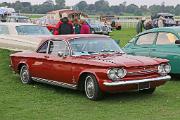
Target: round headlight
121,73
115,74
164,69
161,69
167,68
112,74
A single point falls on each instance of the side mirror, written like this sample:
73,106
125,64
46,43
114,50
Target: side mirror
61,54
117,41
177,42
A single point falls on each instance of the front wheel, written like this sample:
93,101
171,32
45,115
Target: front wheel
92,89
148,91
92,31
25,76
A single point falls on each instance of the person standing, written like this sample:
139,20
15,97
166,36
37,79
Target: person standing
77,26
161,21
64,27
85,29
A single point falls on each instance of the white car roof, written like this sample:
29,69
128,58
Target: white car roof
12,26
15,23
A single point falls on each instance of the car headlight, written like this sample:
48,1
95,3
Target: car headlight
167,68
115,73
164,69
121,73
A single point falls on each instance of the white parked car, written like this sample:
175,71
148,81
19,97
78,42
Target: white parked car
21,36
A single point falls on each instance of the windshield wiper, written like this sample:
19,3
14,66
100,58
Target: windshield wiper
107,51
89,52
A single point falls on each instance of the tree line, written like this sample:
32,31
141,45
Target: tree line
100,7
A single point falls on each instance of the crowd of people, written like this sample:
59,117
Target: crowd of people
65,26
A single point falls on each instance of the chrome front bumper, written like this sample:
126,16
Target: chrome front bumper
120,83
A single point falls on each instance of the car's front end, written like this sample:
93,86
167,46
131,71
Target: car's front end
137,78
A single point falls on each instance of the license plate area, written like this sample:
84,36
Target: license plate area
145,85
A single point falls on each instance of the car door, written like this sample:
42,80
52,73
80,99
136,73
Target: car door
142,45
39,65
165,47
60,62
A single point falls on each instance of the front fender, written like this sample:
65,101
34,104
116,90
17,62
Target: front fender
100,74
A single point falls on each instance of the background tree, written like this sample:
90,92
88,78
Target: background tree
82,6
177,10
132,8
60,3
100,7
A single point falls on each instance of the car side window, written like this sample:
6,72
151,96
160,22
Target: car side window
58,46
4,30
43,48
146,39
165,38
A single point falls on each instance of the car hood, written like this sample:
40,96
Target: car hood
121,60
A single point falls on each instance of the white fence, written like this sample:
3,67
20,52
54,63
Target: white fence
129,23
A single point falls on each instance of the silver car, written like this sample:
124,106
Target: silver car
97,27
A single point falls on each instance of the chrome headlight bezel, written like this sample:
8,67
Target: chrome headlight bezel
164,69
116,73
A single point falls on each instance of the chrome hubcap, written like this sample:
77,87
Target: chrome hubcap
24,75
89,87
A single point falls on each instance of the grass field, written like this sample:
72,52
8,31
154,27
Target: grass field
45,102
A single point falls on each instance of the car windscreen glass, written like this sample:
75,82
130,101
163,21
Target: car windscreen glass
4,30
146,39
32,30
58,46
23,20
43,48
88,46
166,38
93,21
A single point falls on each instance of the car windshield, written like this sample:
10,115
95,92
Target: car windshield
21,20
4,30
32,30
88,46
93,21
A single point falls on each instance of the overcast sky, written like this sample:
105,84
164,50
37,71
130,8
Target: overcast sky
112,2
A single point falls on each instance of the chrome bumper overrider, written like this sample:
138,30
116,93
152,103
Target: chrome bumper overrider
120,83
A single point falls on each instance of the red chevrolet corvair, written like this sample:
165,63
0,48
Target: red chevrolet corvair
93,63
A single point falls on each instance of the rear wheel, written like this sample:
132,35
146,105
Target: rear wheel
92,31
118,28
148,91
25,76
92,89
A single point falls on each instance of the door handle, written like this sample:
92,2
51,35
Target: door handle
46,56
153,49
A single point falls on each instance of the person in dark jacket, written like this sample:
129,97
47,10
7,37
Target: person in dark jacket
77,26
64,27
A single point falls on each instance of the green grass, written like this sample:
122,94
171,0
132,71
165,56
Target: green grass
45,102
123,35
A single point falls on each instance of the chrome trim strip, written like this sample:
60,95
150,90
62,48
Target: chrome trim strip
120,83
143,72
56,83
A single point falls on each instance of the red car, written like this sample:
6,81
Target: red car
92,63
